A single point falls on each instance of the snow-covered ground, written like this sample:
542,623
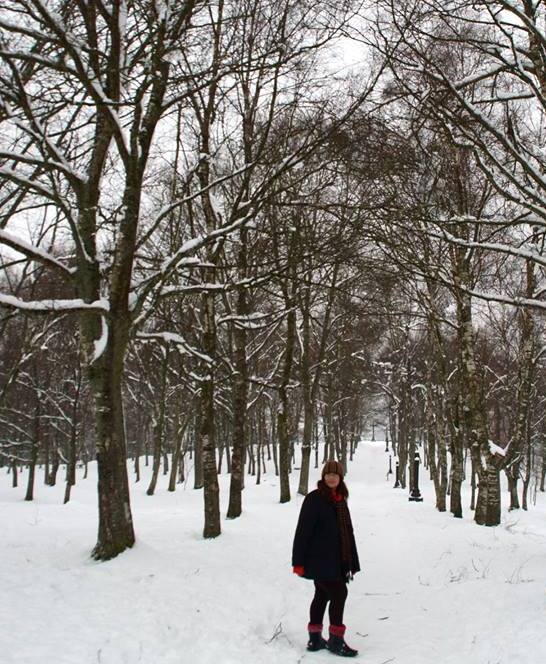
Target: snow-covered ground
434,590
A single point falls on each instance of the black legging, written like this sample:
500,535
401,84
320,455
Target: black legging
334,592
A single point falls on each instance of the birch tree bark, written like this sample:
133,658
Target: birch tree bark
515,450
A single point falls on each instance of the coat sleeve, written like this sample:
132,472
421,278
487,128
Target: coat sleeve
356,561
304,530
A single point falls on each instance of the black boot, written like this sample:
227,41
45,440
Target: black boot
336,643
316,642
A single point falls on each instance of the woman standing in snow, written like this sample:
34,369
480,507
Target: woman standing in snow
325,551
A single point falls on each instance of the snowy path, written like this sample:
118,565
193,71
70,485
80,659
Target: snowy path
434,590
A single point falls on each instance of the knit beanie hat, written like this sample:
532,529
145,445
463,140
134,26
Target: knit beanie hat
333,467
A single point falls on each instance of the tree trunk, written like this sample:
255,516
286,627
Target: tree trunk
274,443
54,467
240,391
138,452
402,439
160,425
308,406
33,452
177,453
473,487
488,511
72,457
115,533
259,455
47,447
513,488
282,412
71,464
393,428
211,491
310,386
306,445
516,448
529,465
543,462
251,458
435,463
488,506
457,458
31,471
328,423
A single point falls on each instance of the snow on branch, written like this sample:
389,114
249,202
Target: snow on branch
476,78
100,343
496,449
532,28
57,306
76,49
198,288
242,219
218,287
533,173
168,209
487,296
24,30
58,163
31,251
492,246
34,57
254,321
178,340
13,175
187,248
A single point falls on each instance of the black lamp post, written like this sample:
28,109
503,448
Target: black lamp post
415,494
390,465
397,484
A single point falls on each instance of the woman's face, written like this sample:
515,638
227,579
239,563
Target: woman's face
332,480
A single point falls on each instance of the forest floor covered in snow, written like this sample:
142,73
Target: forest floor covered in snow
434,589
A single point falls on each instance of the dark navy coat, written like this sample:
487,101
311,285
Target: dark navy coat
317,542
